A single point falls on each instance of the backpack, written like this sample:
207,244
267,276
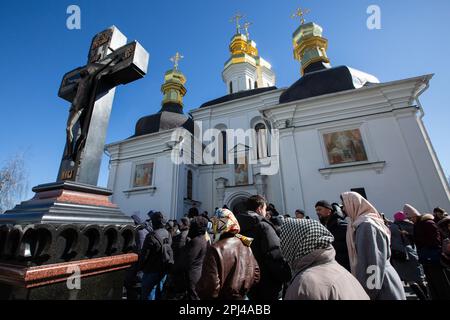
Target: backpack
166,251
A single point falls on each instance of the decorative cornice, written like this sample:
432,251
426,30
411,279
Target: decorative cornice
377,166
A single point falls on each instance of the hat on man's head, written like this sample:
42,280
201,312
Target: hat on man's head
323,203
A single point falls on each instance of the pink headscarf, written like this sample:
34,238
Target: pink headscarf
400,216
360,210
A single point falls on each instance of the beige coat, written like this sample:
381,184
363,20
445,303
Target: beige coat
319,277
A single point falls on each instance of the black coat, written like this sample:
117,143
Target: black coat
194,255
178,243
338,228
266,249
150,257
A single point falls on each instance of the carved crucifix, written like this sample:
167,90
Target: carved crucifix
90,90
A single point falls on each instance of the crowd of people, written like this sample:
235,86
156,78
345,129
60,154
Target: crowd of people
352,252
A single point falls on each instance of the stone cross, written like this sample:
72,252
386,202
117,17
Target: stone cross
300,13
90,90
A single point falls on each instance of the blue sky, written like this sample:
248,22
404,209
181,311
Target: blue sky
37,49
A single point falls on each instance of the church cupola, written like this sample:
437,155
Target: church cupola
245,70
173,87
309,45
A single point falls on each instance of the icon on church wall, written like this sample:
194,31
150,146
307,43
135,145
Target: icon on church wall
143,175
345,146
241,171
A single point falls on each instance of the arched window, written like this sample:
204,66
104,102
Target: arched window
231,87
189,184
256,85
261,140
223,158
249,83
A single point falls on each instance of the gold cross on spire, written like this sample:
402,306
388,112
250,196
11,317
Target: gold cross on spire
246,26
236,18
300,13
175,59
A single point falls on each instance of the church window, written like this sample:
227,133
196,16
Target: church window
256,85
189,184
231,87
261,140
249,83
223,159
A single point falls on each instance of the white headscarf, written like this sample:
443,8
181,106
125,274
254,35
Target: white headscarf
360,210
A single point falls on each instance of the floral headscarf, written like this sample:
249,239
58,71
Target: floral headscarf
225,221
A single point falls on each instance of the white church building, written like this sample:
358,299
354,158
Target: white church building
336,129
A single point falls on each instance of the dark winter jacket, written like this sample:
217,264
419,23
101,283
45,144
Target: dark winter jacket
150,260
193,255
338,228
178,243
195,252
427,239
266,248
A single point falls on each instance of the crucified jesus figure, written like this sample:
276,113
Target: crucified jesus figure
84,100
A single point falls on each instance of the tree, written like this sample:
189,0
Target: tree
13,182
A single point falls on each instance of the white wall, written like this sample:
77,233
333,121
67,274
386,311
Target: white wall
392,134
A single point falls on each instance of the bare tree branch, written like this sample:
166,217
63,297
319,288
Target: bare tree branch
13,182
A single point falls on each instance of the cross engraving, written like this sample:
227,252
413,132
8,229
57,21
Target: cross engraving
90,90
300,13
176,59
236,18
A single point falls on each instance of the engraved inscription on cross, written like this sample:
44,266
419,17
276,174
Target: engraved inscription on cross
90,90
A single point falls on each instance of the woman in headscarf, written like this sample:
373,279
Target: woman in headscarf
369,242
307,247
229,268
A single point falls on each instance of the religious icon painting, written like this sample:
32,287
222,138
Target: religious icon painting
345,147
143,175
241,171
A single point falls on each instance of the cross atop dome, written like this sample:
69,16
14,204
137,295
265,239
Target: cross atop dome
236,18
246,27
175,59
300,13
